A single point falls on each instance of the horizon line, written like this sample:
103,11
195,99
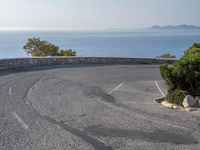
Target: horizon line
85,29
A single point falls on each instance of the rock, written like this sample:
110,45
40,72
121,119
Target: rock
189,109
197,98
167,104
189,101
174,106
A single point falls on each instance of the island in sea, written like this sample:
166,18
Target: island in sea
170,27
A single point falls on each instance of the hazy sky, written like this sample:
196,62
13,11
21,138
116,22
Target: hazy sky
97,14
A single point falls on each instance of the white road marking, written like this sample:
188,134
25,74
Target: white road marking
10,91
101,140
137,115
25,126
120,85
98,139
159,89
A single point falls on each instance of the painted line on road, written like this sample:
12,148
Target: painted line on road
120,85
23,124
159,89
10,91
98,139
138,115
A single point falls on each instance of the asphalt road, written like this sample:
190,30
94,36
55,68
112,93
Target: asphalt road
91,107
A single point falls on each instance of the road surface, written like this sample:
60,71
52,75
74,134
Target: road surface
91,108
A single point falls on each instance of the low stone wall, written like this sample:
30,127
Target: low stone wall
18,63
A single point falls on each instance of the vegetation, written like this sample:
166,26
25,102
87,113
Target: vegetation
184,76
194,49
66,52
176,97
37,47
166,56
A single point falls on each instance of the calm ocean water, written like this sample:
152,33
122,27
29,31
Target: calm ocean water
121,44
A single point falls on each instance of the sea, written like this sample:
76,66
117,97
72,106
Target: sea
142,43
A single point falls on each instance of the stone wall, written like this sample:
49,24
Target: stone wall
18,63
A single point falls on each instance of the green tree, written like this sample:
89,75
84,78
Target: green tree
37,47
166,56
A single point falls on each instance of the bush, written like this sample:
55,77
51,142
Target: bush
67,52
184,75
166,56
176,97
194,49
170,79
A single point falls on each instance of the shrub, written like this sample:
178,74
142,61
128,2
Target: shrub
166,56
194,49
184,75
176,97
67,52
170,79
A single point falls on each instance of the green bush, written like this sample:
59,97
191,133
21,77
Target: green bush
176,97
166,56
67,52
184,75
170,79
194,49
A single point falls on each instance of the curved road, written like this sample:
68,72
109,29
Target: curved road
91,108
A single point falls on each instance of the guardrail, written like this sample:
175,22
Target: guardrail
17,63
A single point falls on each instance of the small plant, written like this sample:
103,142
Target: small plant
176,97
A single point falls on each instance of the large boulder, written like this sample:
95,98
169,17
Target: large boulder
189,101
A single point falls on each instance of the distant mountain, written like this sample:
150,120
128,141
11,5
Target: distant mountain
170,27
